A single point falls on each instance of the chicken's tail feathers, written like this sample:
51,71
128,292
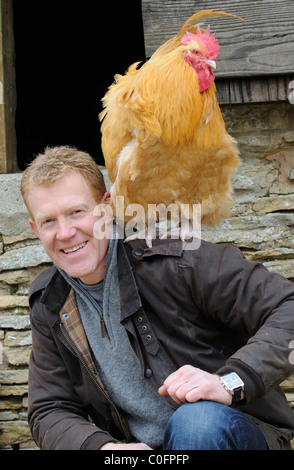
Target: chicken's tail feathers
200,15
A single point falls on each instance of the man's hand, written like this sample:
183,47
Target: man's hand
121,446
189,384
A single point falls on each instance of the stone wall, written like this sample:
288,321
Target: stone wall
261,224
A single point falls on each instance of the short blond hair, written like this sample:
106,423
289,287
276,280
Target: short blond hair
54,163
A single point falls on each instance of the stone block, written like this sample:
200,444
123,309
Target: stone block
11,301
284,161
283,267
13,213
14,432
8,416
14,390
275,203
17,356
11,403
13,376
15,322
25,257
14,277
18,338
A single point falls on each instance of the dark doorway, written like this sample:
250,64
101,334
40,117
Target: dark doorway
66,56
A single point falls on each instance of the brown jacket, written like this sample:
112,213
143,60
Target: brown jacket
209,307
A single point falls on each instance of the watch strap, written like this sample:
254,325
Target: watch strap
237,395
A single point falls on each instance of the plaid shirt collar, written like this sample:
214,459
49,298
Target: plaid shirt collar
71,321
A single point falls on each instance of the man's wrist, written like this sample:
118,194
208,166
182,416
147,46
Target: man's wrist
234,385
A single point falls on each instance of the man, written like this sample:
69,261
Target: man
143,348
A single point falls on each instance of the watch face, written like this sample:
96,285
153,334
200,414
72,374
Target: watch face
232,381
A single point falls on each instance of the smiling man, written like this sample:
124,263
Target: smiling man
64,220
138,347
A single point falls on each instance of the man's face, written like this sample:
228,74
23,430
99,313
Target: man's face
63,220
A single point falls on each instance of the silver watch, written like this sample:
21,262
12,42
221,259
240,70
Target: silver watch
233,384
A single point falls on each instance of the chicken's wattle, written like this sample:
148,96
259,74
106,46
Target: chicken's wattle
205,77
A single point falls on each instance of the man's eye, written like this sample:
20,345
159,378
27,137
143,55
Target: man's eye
46,222
79,212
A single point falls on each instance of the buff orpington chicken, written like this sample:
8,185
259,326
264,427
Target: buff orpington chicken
163,135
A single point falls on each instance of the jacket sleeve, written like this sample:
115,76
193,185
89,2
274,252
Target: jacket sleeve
57,417
246,297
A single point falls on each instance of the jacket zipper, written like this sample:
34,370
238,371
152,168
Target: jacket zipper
126,433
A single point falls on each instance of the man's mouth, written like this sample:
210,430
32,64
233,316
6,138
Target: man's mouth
74,249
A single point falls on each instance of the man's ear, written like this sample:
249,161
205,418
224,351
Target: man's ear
34,227
108,210
106,198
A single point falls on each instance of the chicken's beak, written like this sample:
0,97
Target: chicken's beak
210,63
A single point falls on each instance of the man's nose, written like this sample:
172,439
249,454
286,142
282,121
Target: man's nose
65,230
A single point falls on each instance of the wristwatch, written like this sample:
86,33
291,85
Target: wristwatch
233,384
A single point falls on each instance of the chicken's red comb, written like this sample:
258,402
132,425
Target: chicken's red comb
209,42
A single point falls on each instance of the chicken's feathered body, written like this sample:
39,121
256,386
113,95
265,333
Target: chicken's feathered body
164,141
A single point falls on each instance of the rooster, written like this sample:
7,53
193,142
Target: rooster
163,135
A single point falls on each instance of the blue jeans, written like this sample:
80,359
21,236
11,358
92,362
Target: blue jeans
207,425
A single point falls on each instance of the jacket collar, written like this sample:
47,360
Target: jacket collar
130,301
56,291
138,250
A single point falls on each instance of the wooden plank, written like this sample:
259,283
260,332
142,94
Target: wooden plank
255,90
264,45
8,162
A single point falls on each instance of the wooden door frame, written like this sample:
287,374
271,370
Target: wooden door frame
8,159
